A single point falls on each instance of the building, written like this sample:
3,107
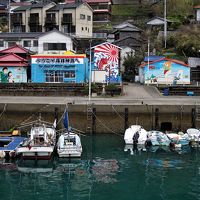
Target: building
13,68
101,9
67,68
74,19
44,43
106,63
164,71
194,63
126,29
197,13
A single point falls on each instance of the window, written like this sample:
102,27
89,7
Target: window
54,46
86,28
35,43
10,44
82,16
1,43
58,75
27,43
89,18
82,28
69,74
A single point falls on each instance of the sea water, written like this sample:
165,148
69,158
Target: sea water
107,170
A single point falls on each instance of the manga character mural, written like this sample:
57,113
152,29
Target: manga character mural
167,71
106,57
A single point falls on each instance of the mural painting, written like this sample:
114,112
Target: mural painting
167,72
106,58
11,75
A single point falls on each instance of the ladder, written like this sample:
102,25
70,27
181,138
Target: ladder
89,118
197,115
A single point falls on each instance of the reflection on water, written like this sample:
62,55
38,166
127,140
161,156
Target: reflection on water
107,170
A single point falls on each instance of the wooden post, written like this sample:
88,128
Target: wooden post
193,117
94,120
156,118
125,119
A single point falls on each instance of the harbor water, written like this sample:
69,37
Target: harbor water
106,171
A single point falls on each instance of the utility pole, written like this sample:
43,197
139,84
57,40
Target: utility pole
90,72
165,23
8,7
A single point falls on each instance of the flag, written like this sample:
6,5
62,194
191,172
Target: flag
55,123
65,121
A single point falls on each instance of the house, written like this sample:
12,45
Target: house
68,68
106,63
101,9
44,43
13,68
197,13
164,71
30,18
126,29
74,19
194,63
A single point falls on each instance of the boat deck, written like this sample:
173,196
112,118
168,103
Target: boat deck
15,141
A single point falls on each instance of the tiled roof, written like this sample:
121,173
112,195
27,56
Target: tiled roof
5,35
65,6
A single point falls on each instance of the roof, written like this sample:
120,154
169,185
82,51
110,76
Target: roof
62,6
127,37
167,59
12,59
106,43
126,26
91,1
32,6
152,58
9,35
197,7
15,49
162,20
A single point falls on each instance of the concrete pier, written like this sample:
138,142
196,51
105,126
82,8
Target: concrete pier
142,104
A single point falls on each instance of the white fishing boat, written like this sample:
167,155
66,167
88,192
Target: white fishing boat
194,136
179,139
40,143
69,143
135,133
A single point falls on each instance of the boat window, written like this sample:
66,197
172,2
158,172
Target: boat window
70,140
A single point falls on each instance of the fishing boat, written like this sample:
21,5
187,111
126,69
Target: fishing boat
179,139
135,133
194,136
40,143
9,142
69,143
158,138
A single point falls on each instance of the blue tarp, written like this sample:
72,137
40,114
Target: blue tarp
15,141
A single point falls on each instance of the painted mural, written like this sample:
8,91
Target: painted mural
167,72
13,74
106,57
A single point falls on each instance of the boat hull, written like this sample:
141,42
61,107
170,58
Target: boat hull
39,153
65,153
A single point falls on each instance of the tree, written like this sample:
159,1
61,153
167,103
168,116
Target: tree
131,63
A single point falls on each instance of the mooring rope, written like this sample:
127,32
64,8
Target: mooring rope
117,113
106,126
4,109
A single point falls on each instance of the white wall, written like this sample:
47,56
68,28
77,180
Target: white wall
54,37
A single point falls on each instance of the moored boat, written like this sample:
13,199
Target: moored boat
41,142
69,143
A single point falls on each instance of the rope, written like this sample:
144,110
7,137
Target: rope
4,109
106,126
117,113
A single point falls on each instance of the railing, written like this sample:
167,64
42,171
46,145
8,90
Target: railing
33,20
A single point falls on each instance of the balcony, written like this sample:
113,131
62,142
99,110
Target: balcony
33,20
16,20
50,21
66,19
36,28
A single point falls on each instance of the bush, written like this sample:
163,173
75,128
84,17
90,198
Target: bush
112,89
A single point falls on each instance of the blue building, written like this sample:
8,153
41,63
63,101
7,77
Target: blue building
67,68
